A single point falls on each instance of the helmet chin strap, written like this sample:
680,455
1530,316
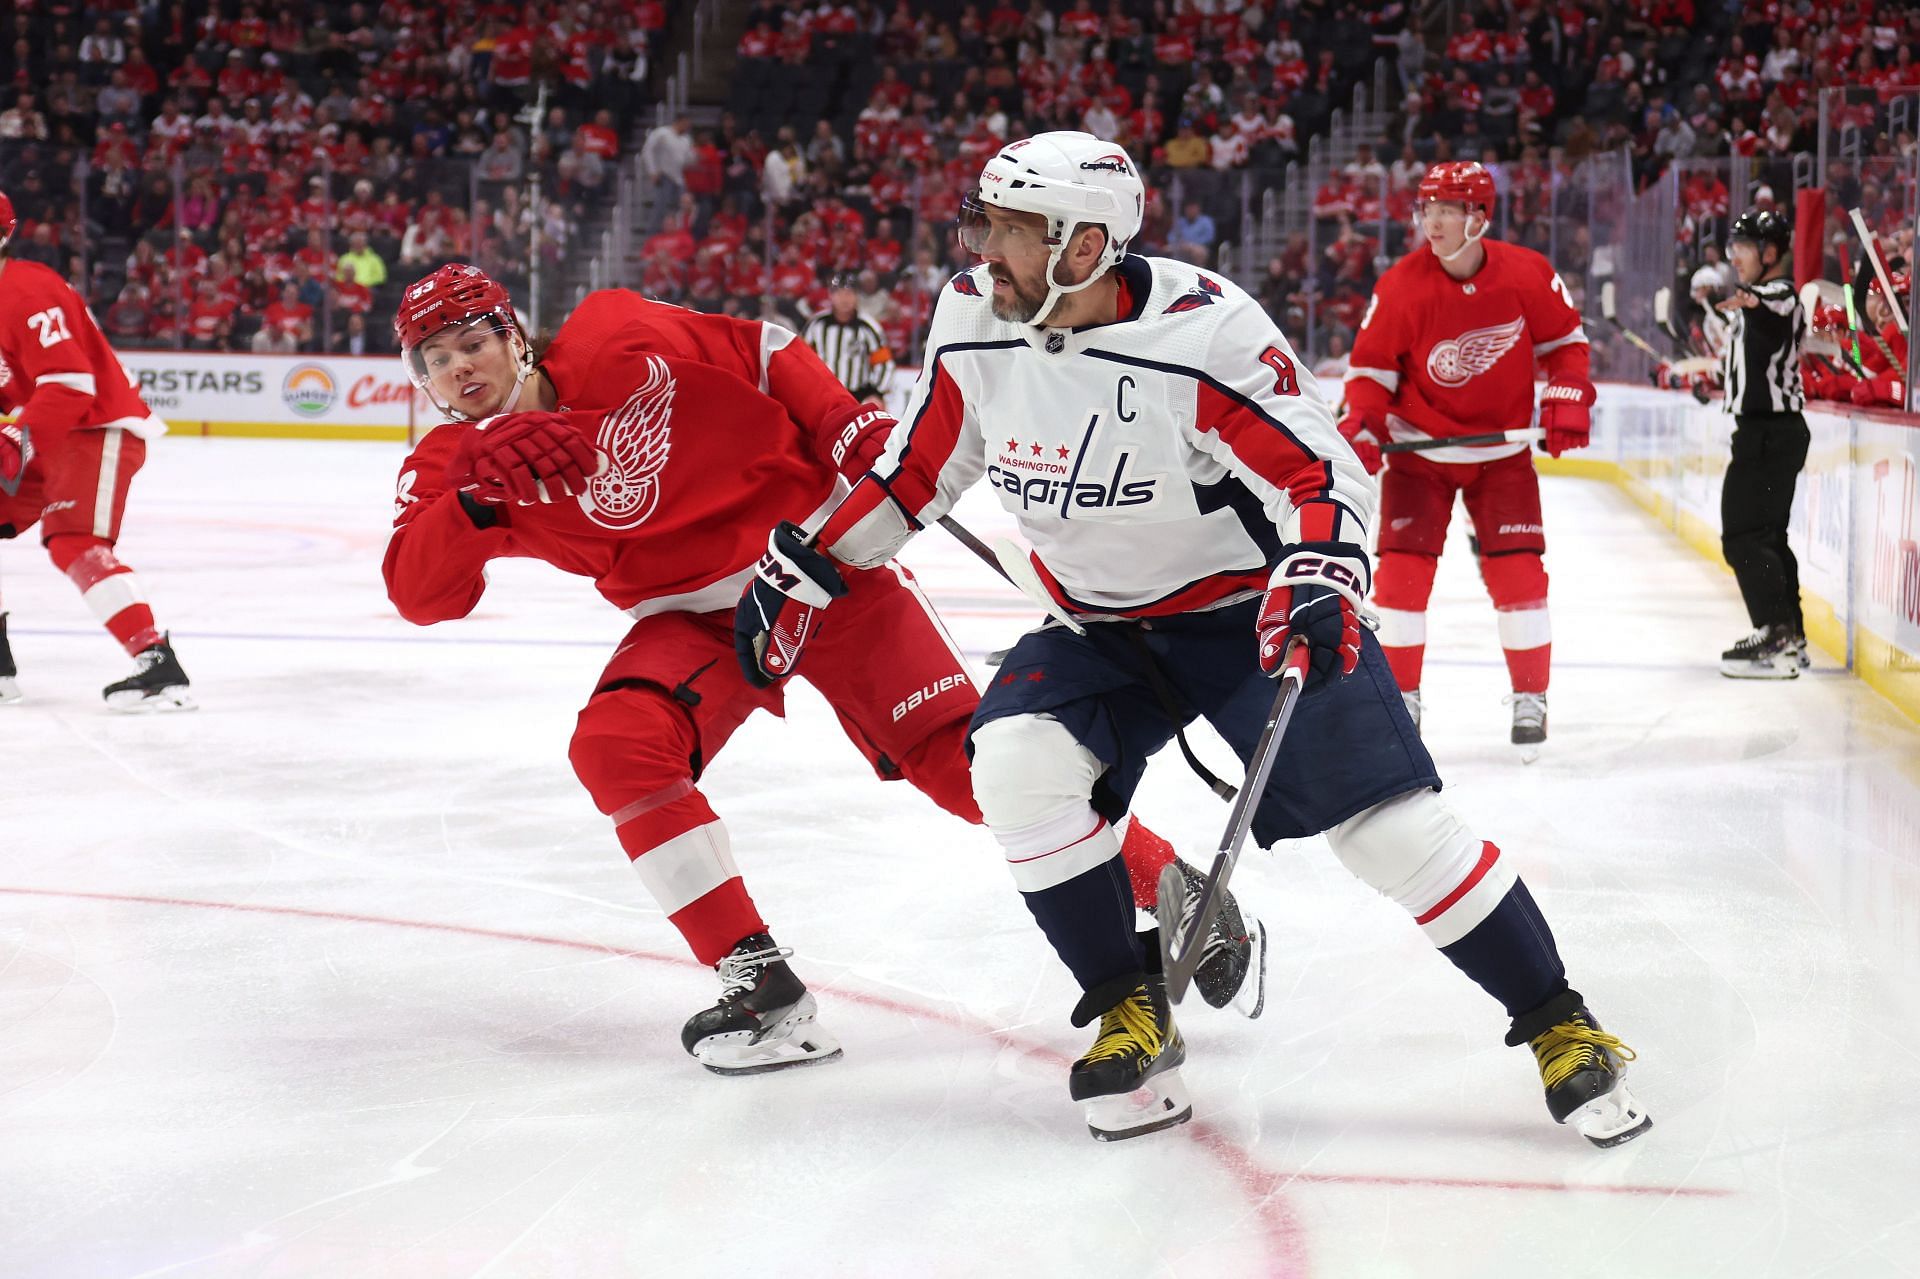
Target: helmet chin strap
1473,238
1056,291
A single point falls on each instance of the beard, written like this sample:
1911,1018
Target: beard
1023,306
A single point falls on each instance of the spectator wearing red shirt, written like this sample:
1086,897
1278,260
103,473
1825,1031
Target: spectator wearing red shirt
290,316
1081,22
1173,49
602,139
209,319
513,57
1469,46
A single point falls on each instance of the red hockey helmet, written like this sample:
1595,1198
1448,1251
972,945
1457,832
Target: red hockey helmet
1461,181
456,294
7,221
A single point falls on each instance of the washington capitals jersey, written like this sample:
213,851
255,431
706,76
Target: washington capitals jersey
1156,465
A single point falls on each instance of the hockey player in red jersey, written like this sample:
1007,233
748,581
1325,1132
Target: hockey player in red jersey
79,432
648,448
1446,348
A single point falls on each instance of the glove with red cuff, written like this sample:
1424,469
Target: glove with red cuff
1566,415
16,452
524,459
1317,592
780,609
1366,432
859,433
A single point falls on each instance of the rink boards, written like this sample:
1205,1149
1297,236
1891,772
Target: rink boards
1855,515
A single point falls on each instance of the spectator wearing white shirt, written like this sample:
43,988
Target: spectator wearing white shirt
1229,149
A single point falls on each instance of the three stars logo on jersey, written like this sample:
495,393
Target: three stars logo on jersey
1457,361
635,438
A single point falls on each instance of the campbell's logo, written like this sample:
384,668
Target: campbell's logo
308,390
368,390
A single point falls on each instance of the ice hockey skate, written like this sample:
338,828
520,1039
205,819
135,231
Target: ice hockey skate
1529,724
9,683
159,684
1771,652
1129,1081
1583,1069
765,1019
1233,967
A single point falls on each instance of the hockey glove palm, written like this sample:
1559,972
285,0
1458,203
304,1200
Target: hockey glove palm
524,458
1316,592
1566,415
1365,432
16,451
780,609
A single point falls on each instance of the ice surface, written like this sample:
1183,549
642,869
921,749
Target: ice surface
342,975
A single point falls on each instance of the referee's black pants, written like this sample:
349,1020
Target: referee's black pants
1768,452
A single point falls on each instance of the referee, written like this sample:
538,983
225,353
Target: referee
1761,373
851,343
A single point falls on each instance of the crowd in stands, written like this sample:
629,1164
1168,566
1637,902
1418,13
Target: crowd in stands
224,175
221,176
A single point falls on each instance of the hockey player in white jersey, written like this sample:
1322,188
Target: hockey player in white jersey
1189,499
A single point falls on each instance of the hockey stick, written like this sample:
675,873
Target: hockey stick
1663,316
1519,435
1812,298
1607,314
1180,954
1879,269
1006,559
1859,321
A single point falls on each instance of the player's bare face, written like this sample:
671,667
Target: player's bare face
1444,223
1016,253
471,369
1745,255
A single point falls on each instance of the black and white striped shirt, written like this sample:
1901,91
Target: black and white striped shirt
856,351
1760,367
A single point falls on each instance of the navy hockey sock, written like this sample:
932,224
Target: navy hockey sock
1510,954
1089,920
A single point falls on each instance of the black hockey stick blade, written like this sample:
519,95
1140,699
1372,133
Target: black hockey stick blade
1181,952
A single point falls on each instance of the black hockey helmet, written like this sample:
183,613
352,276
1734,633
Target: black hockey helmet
1763,227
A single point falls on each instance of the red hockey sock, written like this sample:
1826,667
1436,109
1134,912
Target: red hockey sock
109,588
1529,667
1145,853
1406,664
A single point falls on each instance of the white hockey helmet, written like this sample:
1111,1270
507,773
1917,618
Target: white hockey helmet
1708,281
1069,178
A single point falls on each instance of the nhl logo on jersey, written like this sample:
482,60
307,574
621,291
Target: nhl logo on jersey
1056,343
635,439
1457,361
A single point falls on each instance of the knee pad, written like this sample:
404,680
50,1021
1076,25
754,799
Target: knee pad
1034,782
1515,580
1028,768
1414,849
633,742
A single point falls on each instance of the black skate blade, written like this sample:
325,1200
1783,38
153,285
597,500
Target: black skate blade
1622,1138
1159,1125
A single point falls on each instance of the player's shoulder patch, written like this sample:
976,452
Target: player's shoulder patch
967,283
1205,292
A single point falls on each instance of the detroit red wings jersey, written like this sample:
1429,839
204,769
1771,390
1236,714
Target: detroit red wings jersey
587,361
702,464
1456,357
56,369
